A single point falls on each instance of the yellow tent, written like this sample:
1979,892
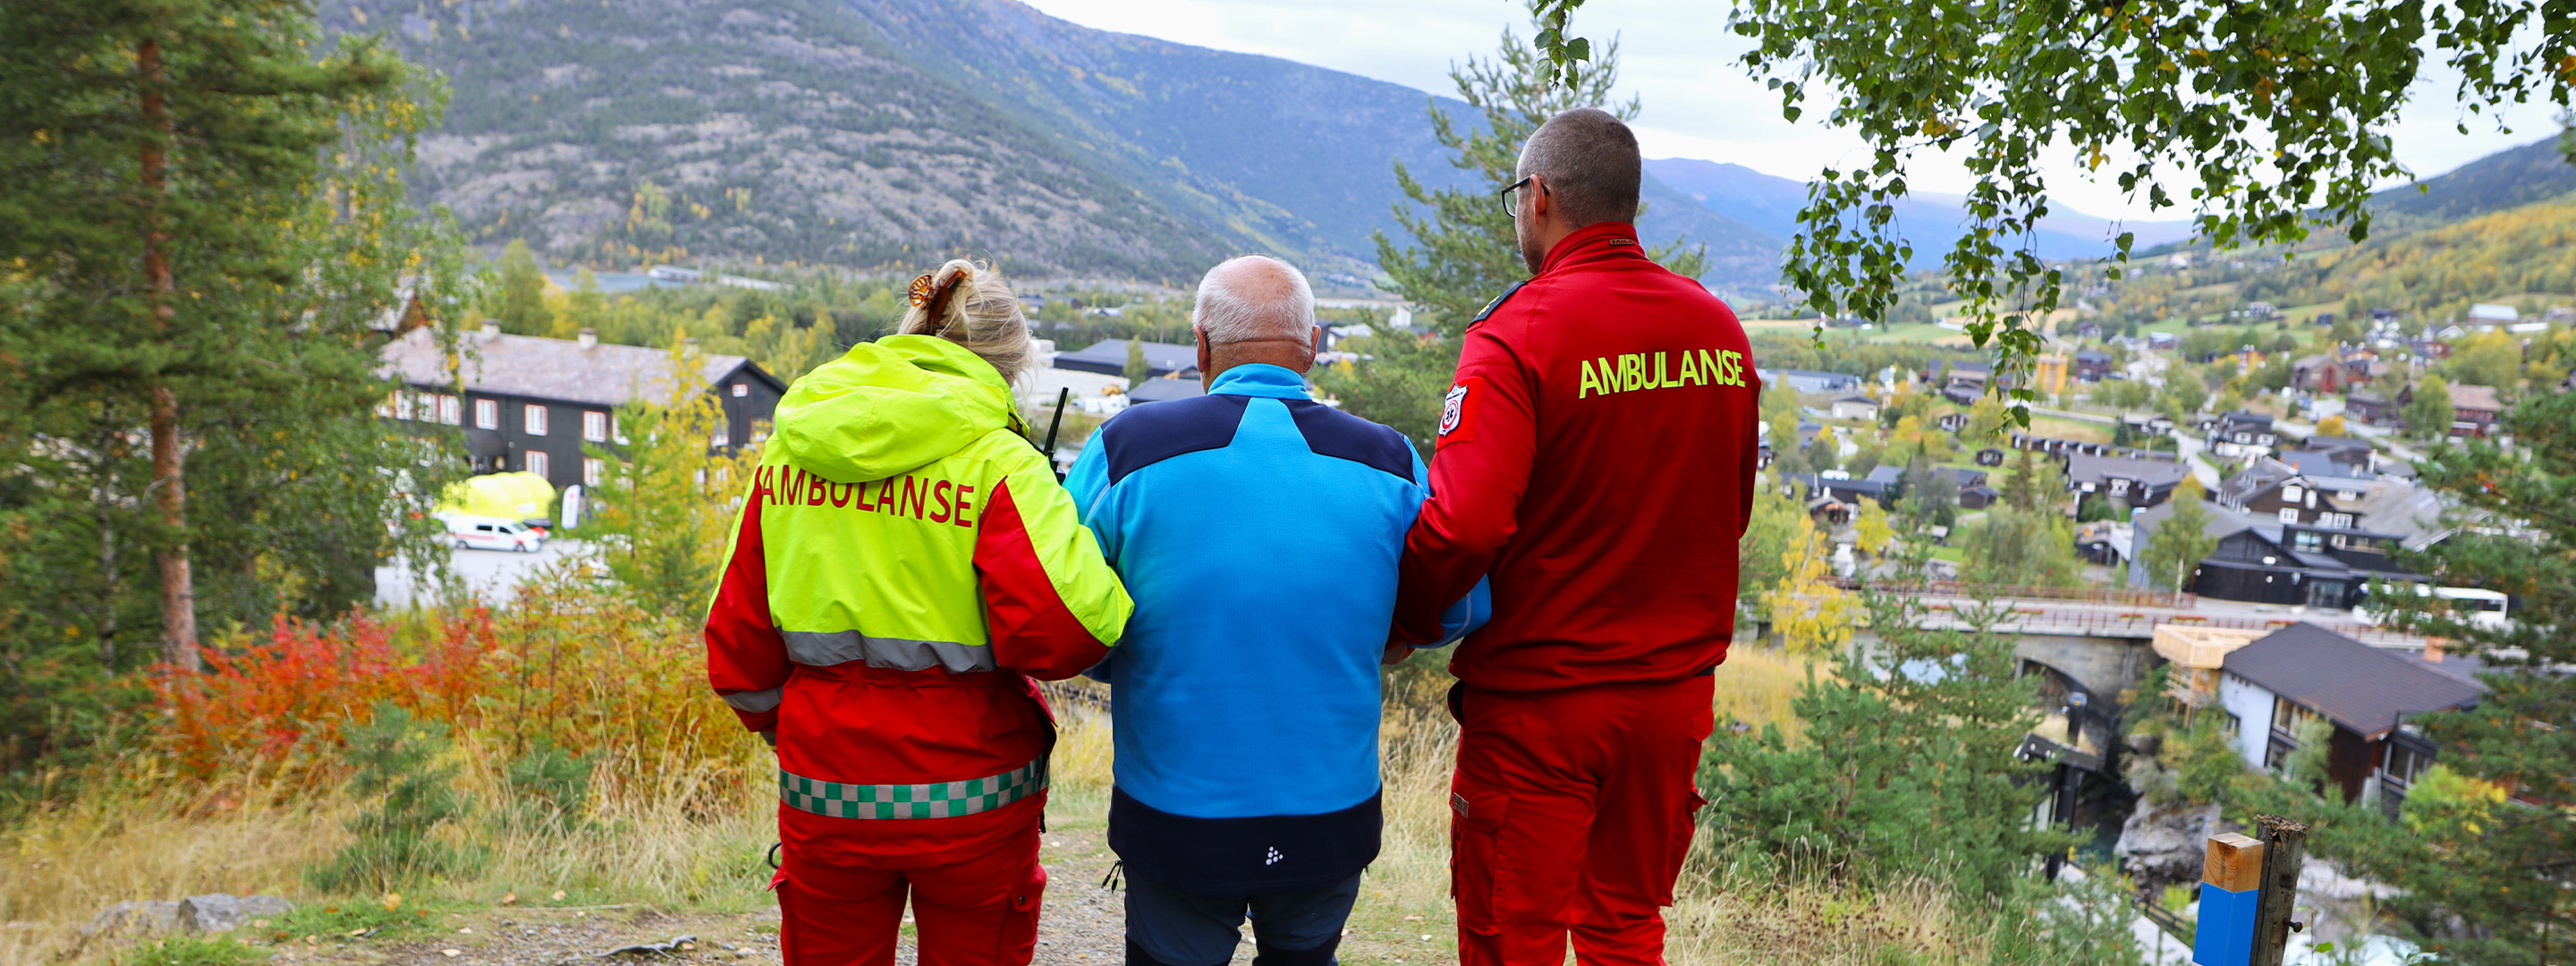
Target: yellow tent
516,496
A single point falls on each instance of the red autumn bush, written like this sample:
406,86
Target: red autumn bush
565,664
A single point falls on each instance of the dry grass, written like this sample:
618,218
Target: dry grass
696,842
60,866
1756,683
662,846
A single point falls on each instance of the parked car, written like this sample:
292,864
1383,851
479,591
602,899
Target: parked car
492,533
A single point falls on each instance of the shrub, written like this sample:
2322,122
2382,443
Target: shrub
548,786
395,757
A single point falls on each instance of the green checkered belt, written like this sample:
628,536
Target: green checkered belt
934,800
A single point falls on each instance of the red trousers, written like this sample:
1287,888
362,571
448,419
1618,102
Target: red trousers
1570,814
979,912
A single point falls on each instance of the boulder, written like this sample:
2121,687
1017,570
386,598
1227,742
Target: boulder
218,912
2165,845
137,918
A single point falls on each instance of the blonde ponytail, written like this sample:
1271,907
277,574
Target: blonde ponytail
967,303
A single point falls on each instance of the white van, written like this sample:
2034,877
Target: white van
2479,608
491,533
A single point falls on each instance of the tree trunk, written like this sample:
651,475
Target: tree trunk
110,585
169,483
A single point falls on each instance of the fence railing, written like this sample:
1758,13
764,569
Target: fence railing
2090,595
2166,919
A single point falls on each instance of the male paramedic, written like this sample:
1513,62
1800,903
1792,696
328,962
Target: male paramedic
1595,459
1258,532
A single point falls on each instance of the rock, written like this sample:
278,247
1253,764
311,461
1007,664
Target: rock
2161,846
142,918
218,912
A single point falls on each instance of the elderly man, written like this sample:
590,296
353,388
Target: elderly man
1258,531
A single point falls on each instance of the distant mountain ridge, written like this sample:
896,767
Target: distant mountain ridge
870,132
1930,220
2511,178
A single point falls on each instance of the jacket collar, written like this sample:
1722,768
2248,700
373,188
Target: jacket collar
1593,242
1260,379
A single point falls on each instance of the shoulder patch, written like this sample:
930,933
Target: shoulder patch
1498,301
1149,433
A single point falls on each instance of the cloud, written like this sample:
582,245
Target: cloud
1678,58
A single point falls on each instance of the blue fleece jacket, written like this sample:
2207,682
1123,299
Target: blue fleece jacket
1258,532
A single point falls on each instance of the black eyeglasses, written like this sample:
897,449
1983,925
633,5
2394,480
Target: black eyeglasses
1512,195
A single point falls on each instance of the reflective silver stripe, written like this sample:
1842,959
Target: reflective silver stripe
754,701
826,648
934,800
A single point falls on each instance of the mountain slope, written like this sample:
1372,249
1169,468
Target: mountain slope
783,132
1931,220
875,132
2504,180
1297,157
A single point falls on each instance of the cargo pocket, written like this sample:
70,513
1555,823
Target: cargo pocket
1475,836
1018,939
1677,850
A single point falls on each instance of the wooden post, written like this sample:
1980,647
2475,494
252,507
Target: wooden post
2285,844
2231,882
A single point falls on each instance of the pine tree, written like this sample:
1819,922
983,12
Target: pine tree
2179,542
520,302
1464,251
2428,414
1907,764
2484,851
2021,487
664,518
1137,369
201,221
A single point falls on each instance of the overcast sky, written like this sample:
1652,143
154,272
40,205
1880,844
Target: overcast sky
1678,57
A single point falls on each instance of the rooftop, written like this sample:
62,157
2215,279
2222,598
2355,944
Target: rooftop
2086,467
2362,688
1110,355
2475,397
543,368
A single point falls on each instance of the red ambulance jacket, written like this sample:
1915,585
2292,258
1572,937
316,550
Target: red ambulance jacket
1596,458
905,563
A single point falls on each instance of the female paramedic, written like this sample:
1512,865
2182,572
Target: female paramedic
906,562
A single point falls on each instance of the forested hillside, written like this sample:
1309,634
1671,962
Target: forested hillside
783,131
880,132
2441,271
2506,179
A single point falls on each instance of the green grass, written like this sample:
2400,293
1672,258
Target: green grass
194,951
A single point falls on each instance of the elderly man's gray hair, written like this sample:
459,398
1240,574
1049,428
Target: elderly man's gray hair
1255,298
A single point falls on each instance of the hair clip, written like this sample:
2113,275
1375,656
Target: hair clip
933,299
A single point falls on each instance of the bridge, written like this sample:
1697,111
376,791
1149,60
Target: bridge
2089,647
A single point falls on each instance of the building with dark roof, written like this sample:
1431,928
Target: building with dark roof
2241,433
1109,357
1157,390
2367,695
2092,365
2371,408
534,404
2474,410
2127,483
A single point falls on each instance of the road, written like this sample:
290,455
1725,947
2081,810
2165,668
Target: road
491,575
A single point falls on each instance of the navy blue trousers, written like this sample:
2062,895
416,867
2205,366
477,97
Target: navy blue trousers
1168,927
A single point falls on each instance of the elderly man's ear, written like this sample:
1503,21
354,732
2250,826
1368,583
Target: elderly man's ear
1207,360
